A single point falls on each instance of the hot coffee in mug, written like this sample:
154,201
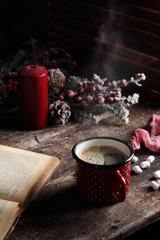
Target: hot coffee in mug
102,155
103,169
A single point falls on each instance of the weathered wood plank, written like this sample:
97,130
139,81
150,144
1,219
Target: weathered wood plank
59,213
106,56
105,46
13,135
107,12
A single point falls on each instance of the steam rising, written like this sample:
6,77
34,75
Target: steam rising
105,59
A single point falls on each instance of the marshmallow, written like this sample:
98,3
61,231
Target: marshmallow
137,169
150,159
134,159
158,181
156,174
145,164
154,185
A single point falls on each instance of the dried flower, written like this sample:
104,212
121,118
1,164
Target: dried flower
57,58
123,83
87,98
97,96
140,76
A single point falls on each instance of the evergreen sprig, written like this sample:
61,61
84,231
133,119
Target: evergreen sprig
91,98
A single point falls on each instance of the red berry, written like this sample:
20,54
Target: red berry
105,95
69,94
78,99
85,85
80,89
140,76
109,100
99,99
118,94
9,74
80,84
93,89
75,92
131,102
61,97
98,88
126,100
98,80
89,99
112,94
14,74
101,83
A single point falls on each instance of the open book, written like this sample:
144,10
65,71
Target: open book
22,174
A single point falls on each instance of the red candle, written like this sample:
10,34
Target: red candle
33,96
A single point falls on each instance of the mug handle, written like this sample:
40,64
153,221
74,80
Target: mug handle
121,195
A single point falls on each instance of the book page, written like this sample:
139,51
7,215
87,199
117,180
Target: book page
9,215
23,172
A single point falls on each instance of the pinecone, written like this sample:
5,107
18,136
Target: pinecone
59,112
3,94
56,79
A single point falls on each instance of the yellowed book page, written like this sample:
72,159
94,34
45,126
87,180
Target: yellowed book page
23,172
9,215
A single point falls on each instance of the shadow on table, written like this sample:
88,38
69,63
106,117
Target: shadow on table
10,119
150,232
64,213
63,202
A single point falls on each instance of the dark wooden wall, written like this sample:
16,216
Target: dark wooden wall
20,20
115,38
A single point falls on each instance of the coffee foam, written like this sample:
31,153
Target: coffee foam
102,155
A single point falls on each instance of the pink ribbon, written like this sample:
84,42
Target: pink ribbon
149,137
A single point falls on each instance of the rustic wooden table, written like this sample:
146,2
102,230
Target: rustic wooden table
58,212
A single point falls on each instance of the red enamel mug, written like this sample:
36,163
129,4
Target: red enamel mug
103,183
